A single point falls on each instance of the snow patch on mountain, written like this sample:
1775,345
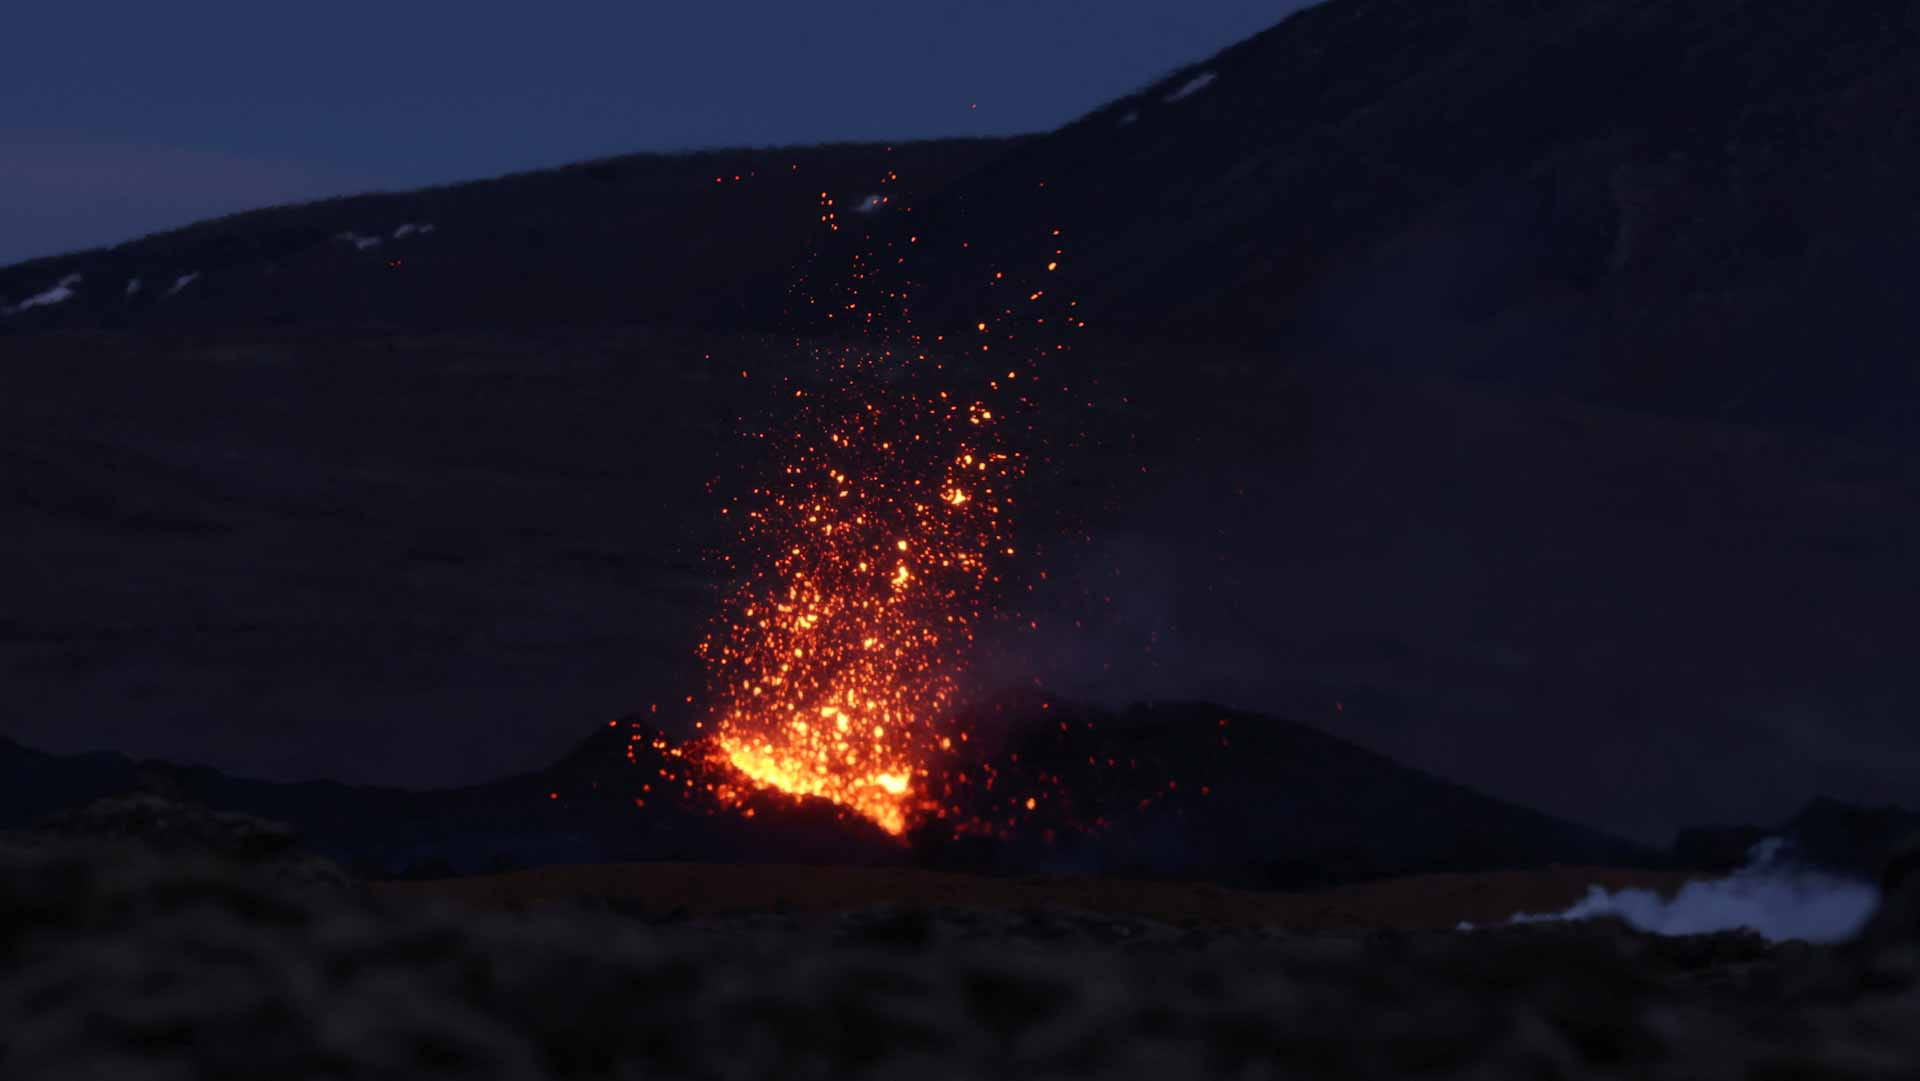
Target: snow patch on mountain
55,295
399,232
1191,87
133,286
183,281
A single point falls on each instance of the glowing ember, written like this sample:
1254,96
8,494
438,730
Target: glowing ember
835,661
866,562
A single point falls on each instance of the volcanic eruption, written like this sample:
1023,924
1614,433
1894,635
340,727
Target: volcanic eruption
866,560
838,656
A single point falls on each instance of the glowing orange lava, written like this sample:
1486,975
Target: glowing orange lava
836,661
866,563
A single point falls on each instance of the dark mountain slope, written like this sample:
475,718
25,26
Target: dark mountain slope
579,810
1698,209
424,561
1196,790
645,238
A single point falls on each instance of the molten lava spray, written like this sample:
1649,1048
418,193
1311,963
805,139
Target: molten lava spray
864,567
838,658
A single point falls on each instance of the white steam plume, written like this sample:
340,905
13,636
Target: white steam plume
1770,895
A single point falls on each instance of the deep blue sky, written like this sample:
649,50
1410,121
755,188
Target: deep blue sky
120,118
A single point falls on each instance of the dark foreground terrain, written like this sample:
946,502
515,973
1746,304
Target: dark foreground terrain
135,961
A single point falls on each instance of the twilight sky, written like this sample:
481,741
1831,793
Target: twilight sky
119,119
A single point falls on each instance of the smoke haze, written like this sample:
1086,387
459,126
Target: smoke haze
1772,895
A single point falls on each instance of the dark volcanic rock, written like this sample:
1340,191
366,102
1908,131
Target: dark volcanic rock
1684,239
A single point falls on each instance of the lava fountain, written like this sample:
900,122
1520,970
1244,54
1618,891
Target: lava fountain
864,565
837,658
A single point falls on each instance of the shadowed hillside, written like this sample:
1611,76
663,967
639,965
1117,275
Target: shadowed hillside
1700,210
428,561
639,239
1697,209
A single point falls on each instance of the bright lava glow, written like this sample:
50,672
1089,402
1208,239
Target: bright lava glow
868,554
837,662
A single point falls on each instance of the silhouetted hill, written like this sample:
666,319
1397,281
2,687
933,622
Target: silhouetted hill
579,810
1287,806
638,239
1191,789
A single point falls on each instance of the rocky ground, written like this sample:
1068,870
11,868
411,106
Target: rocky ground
122,958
